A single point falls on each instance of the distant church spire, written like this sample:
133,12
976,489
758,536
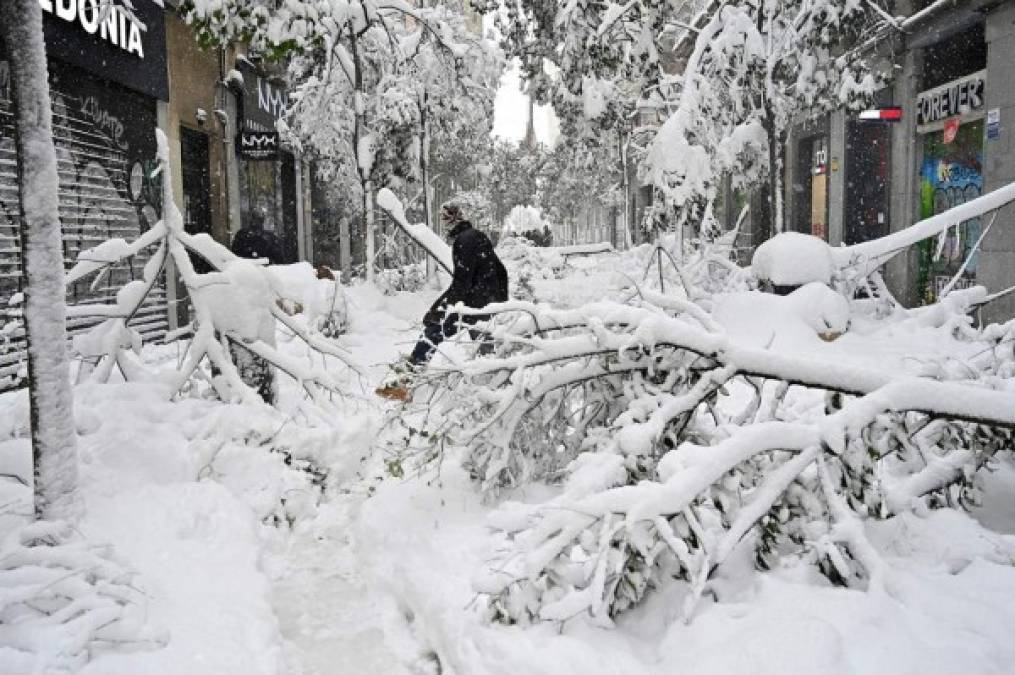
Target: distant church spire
530,129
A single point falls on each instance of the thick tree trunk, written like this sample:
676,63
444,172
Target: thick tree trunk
54,444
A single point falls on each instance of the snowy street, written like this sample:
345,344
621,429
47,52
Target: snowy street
507,337
374,577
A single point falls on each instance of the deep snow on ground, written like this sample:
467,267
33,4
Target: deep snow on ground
252,570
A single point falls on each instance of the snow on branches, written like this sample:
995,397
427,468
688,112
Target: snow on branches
236,309
674,444
704,89
62,600
372,82
754,67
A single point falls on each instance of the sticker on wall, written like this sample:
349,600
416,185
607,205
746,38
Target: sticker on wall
951,129
136,181
993,124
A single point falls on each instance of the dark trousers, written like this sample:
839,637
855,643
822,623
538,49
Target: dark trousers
255,371
435,332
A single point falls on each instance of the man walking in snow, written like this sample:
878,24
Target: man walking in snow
479,278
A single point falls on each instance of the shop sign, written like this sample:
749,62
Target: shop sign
889,114
993,124
111,23
820,157
259,145
107,40
959,97
264,101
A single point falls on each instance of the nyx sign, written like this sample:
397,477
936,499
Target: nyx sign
264,102
259,145
958,97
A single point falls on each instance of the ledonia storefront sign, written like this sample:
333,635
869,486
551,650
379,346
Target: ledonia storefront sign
124,42
958,97
111,22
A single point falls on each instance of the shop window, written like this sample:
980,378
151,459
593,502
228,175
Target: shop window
951,174
268,188
260,195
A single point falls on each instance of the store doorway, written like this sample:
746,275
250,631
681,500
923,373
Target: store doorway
289,235
811,187
196,181
868,181
194,158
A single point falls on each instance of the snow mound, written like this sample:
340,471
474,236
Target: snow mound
542,262
793,259
820,307
783,322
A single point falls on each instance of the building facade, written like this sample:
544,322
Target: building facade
108,84
850,180
113,83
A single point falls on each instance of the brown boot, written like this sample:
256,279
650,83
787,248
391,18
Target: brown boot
394,392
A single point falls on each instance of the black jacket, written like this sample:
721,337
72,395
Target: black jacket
479,276
252,243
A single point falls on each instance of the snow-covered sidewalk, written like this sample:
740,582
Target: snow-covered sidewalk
334,617
251,569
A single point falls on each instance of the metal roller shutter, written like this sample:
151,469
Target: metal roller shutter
99,199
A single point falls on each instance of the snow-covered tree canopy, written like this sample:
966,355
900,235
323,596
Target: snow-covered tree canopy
370,80
754,68
576,175
405,77
512,178
725,79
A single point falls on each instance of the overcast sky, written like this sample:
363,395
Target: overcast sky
511,108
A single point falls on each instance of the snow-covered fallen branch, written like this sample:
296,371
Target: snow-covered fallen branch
235,312
863,258
665,473
419,233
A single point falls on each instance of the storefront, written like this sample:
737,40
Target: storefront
917,150
950,139
270,175
866,207
808,178
106,78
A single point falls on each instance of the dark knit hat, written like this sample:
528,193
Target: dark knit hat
452,212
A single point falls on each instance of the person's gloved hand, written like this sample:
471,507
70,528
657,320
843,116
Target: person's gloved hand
434,315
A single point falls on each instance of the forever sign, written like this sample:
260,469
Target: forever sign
958,97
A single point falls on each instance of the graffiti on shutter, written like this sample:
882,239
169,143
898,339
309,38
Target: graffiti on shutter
104,164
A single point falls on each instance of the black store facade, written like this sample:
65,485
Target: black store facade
269,173
107,76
